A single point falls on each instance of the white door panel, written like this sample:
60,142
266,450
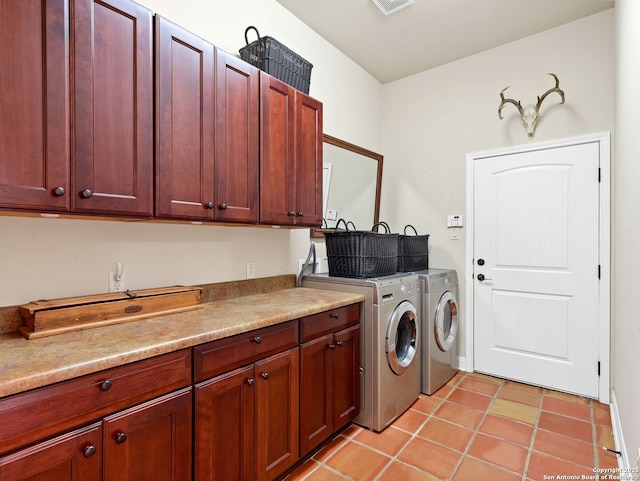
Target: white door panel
536,228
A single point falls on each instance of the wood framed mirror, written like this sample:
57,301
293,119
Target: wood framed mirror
352,179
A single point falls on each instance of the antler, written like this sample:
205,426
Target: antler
554,89
510,101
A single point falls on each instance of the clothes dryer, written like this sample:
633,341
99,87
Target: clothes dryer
439,320
389,343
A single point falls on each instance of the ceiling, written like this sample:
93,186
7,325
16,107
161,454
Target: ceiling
430,33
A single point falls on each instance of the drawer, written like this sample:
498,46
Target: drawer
217,357
34,415
328,321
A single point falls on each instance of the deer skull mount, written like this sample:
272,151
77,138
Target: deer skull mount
530,113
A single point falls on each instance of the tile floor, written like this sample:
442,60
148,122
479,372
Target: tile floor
476,428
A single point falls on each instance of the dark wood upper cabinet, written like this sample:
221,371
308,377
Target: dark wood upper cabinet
34,105
112,85
184,82
290,155
237,139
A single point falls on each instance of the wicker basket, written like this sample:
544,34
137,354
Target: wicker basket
413,251
361,254
271,56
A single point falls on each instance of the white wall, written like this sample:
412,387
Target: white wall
433,119
626,232
50,258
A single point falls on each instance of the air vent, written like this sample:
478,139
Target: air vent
391,6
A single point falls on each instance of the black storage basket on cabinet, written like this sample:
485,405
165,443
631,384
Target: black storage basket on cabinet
413,251
361,254
274,58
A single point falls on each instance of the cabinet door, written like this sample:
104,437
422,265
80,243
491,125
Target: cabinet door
150,442
184,123
236,162
225,427
346,377
113,108
76,456
316,392
308,161
34,105
277,409
277,153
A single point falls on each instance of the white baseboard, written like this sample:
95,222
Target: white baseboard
623,458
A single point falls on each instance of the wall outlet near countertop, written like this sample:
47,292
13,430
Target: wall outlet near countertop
116,278
251,270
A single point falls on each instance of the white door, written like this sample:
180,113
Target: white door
536,267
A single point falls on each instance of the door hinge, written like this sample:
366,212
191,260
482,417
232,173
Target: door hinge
598,368
598,271
599,174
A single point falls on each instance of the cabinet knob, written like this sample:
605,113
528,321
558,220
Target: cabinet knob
300,214
58,191
257,339
105,385
223,206
89,451
86,193
121,437
331,346
251,381
209,205
339,343
265,375
333,315
292,213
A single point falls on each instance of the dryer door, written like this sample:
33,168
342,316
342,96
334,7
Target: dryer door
446,321
402,337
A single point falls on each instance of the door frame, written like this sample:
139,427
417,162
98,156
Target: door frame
604,249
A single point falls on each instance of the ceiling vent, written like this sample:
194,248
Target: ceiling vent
391,6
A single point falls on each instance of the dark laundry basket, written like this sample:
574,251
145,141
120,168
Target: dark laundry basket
274,58
413,251
361,254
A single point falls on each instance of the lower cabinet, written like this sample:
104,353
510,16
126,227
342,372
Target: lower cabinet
75,456
329,385
148,442
246,421
261,400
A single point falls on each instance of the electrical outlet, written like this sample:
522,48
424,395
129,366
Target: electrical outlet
116,279
251,270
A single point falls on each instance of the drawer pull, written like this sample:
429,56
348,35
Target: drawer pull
106,385
333,315
257,339
89,451
251,381
121,437
339,343
265,375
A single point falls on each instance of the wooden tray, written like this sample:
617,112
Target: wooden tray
50,317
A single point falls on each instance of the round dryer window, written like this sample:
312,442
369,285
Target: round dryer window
446,324
402,337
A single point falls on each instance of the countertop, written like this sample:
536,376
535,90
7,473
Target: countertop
29,364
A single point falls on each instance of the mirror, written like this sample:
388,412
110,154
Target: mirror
352,179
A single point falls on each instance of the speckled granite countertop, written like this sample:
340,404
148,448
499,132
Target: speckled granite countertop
28,364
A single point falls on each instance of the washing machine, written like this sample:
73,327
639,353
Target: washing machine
389,343
439,320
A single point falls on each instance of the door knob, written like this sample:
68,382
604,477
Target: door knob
481,278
